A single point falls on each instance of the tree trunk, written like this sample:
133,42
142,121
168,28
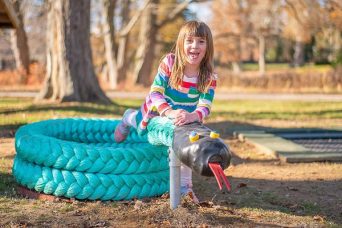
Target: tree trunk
236,67
237,63
70,74
261,54
109,42
147,40
116,52
336,44
298,56
123,44
20,47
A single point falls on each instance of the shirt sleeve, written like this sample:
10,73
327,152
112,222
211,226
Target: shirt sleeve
160,83
205,101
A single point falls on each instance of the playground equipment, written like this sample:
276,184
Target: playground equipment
78,158
202,150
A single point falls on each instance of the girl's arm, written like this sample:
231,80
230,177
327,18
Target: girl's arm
205,101
159,85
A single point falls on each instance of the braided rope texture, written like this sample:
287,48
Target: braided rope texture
78,158
160,131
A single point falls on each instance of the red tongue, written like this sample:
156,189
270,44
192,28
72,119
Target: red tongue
218,172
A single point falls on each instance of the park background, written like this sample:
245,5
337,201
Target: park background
274,46
84,59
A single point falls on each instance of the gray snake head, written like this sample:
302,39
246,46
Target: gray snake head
199,153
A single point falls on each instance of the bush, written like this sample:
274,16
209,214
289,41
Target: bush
338,61
283,81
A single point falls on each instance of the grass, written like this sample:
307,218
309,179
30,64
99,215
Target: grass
16,112
310,208
286,66
276,110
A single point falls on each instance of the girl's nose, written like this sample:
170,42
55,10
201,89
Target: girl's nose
195,44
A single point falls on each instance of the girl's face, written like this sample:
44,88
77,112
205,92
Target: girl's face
194,49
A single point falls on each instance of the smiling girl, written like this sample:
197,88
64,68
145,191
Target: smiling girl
182,90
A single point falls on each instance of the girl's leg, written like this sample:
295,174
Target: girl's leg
186,182
122,129
130,118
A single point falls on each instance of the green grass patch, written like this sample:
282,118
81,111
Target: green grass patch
16,112
310,208
242,110
286,66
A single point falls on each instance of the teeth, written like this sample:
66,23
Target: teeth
193,55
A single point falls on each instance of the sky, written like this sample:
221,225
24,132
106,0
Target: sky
202,10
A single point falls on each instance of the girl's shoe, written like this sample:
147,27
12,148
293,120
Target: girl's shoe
121,132
187,191
122,129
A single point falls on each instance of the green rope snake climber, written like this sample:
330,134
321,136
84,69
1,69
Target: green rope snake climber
79,158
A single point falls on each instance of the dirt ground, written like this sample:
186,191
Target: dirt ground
265,193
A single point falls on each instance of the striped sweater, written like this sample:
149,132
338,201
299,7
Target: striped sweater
163,97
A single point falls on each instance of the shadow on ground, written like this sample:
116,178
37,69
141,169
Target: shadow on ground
114,108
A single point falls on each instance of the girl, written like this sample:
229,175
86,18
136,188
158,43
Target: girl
182,90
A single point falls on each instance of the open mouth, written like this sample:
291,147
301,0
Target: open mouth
193,55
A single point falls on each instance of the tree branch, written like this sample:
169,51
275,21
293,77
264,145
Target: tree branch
174,13
293,9
231,34
134,19
177,11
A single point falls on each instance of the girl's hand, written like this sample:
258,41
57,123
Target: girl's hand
185,118
172,114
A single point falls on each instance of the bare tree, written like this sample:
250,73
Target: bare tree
19,45
70,74
35,15
236,21
305,18
264,19
109,41
230,25
116,44
147,40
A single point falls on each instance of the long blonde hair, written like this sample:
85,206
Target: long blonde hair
197,29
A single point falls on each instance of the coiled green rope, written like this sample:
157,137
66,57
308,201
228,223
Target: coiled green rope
93,186
79,158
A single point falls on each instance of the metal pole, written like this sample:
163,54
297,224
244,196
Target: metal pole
175,193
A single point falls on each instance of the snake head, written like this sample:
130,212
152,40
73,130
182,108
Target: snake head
197,154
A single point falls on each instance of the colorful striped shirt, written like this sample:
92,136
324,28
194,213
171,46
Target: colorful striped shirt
163,97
